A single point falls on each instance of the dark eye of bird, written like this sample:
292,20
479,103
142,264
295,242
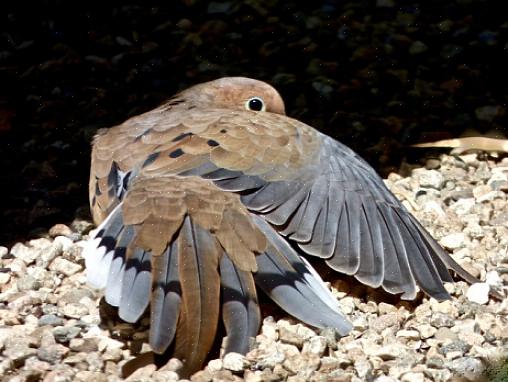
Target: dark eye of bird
255,104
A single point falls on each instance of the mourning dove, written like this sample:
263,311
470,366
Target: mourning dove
217,191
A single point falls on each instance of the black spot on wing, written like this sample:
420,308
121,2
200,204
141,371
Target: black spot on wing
182,136
97,189
150,159
176,153
212,143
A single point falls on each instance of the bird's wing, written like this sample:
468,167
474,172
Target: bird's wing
315,192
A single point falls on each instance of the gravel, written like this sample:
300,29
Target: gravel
53,327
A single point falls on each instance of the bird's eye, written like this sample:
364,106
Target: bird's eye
255,104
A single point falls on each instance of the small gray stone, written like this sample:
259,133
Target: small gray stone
440,320
50,319
28,282
64,334
64,266
52,353
429,178
455,346
468,367
75,296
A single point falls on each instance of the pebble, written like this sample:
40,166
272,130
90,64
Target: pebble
60,230
27,254
454,240
51,320
429,178
478,293
234,362
64,266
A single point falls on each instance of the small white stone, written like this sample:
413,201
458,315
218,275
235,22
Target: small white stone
315,345
463,206
64,266
429,178
215,365
479,293
453,240
413,377
433,207
64,241
27,254
234,362
492,278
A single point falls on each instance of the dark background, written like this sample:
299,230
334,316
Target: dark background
377,75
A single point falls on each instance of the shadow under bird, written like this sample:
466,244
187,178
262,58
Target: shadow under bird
216,192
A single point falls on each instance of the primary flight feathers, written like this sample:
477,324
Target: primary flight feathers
200,199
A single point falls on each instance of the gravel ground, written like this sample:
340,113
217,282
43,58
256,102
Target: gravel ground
53,327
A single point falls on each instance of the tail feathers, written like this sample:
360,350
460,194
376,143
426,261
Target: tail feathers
166,299
183,285
198,261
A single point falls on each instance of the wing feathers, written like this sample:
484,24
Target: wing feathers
285,278
240,310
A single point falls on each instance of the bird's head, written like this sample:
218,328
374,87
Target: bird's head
235,93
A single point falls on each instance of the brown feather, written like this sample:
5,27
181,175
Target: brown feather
200,282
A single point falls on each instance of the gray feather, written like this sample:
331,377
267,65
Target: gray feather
166,298
241,313
136,285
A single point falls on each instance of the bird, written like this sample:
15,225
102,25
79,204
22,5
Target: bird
217,192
